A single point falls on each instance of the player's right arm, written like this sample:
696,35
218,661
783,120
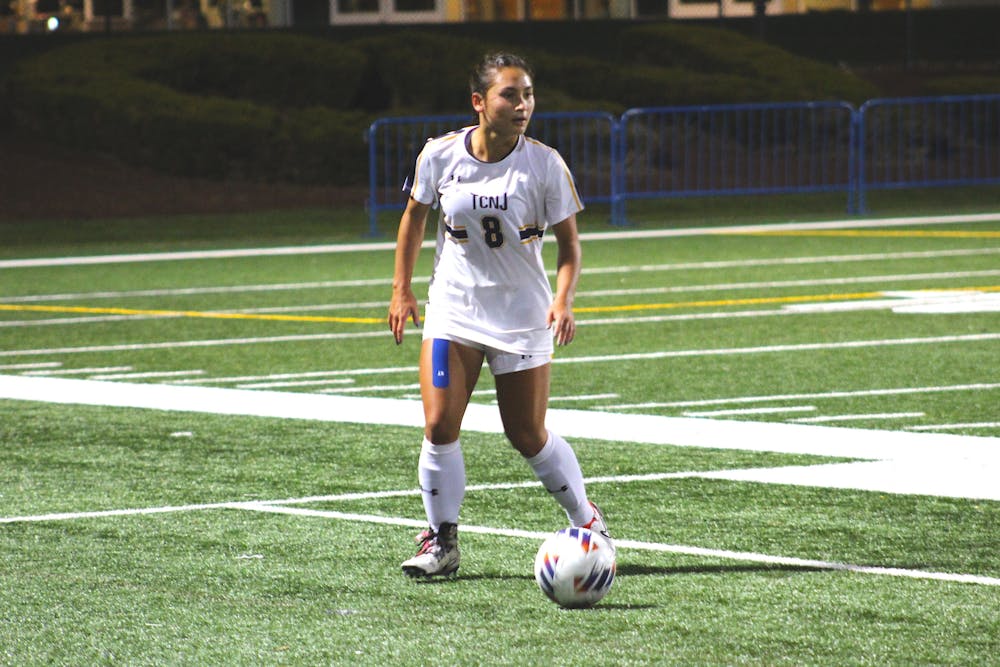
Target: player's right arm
403,305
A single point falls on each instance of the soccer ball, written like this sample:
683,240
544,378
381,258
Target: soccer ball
575,567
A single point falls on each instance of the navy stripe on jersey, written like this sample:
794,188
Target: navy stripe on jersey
462,234
528,233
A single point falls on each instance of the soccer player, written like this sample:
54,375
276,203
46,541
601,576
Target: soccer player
498,192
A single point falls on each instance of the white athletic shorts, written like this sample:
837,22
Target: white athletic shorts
500,361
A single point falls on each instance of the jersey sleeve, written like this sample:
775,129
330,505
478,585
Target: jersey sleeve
561,197
423,187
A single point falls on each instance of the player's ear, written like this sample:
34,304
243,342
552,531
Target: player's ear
478,102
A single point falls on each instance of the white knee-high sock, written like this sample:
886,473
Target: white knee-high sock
559,471
441,472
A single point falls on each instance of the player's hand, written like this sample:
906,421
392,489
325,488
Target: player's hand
562,323
402,307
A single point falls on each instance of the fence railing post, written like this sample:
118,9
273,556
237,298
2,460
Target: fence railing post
618,214
372,179
860,193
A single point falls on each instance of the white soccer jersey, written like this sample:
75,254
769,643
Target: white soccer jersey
489,283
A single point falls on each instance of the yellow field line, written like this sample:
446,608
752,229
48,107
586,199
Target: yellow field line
715,303
756,301
877,233
84,310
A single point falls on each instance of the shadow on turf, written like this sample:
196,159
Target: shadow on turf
631,571
460,577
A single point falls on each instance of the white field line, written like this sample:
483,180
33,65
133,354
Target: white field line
101,514
339,497
306,374
736,400
25,367
823,419
947,427
276,380
849,280
280,507
552,399
194,291
862,223
952,454
583,397
752,411
682,317
916,301
296,383
178,256
170,345
97,319
726,554
78,371
799,347
361,390
587,271
332,284
147,375
793,261
938,464
666,354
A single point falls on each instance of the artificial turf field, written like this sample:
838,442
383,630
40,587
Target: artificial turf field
209,448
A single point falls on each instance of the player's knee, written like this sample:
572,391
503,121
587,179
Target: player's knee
441,431
526,440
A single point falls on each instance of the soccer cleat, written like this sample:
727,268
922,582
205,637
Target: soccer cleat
598,524
438,555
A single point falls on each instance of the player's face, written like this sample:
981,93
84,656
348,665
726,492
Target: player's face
507,106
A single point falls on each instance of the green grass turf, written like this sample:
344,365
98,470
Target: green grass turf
225,586
237,586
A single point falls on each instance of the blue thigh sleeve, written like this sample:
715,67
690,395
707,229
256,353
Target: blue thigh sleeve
439,362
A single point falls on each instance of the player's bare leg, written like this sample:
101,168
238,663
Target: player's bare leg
448,374
523,397
446,397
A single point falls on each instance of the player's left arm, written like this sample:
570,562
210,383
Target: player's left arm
560,317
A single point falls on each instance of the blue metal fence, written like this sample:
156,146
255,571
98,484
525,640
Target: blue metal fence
927,142
735,149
